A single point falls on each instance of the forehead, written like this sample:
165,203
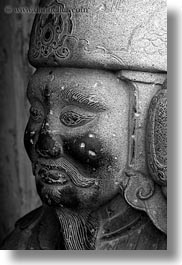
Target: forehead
56,81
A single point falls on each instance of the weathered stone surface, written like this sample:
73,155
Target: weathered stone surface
145,87
156,138
79,116
86,135
123,230
113,35
86,141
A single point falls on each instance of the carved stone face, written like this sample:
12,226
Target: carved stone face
77,135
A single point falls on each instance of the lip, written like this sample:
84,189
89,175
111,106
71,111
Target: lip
59,172
52,175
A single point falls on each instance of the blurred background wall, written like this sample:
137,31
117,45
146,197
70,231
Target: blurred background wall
18,193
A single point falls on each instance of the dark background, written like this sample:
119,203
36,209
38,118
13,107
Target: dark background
17,187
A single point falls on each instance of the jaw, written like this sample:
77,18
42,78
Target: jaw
86,229
56,188
67,195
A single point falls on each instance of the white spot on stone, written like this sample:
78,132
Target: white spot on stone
95,85
31,141
137,115
82,145
91,135
51,112
91,153
32,133
62,88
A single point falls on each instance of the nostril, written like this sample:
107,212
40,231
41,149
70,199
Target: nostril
48,147
49,153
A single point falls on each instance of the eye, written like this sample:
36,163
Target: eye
36,114
73,119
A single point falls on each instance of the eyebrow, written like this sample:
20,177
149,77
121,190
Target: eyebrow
90,102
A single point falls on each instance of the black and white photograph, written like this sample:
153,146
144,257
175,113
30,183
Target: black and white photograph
85,114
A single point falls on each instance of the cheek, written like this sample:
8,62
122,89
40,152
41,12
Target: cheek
100,194
30,138
87,150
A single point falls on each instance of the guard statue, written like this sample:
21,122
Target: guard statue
97,132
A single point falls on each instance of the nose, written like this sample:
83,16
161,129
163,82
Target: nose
49,146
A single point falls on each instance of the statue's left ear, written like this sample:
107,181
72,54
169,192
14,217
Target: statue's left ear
142,194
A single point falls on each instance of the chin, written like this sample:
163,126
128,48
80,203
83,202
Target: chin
57,195
67,196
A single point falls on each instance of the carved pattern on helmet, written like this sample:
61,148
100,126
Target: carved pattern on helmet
53,34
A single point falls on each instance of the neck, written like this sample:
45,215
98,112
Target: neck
85,230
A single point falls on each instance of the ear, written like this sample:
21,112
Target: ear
156,138
142,194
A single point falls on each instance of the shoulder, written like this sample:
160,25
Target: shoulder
24,229
30,220
38,230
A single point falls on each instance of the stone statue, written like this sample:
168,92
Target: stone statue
97,133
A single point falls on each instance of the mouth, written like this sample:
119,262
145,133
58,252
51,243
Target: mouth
59,172
52,176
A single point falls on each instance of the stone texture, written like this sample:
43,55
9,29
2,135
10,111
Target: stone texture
127,36
145,87
85,119
117,34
